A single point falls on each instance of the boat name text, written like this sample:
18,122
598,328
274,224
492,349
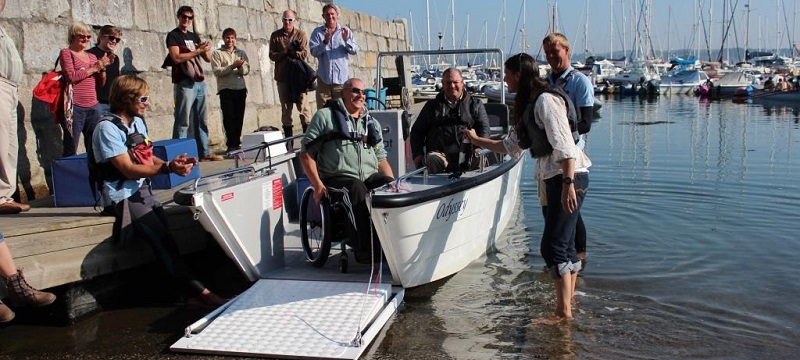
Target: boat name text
445,211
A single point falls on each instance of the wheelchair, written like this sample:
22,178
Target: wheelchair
322,225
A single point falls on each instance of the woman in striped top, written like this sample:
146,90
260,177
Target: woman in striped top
84,72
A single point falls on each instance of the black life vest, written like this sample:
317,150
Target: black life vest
533,137
140,149
447,134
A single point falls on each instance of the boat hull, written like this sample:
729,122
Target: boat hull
425,241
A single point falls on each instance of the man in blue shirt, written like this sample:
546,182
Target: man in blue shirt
581,92
331,44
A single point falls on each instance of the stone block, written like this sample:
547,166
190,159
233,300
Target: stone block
40,55
101,12
255,93
47,10
260,26
257,5
231,17
376,25
371,59
154,15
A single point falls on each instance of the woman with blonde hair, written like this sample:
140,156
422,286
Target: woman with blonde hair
84,72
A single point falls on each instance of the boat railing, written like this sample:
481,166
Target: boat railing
395,185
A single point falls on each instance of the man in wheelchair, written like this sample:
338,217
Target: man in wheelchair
343,150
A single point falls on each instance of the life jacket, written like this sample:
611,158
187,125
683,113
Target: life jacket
447,133
140,149
343,130
533,137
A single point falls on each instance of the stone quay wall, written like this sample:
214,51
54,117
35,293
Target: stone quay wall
39,29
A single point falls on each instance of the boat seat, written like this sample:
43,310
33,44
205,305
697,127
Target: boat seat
498,114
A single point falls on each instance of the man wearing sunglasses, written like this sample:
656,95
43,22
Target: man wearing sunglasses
288,46
185,51
107,41
332,44
343,149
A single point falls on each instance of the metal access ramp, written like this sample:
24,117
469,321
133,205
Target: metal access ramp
292,310
295,319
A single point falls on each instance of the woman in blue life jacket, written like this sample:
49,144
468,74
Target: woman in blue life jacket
125,161
540,117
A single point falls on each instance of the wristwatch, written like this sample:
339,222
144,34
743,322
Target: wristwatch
568,180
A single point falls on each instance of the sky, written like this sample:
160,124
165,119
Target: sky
674,24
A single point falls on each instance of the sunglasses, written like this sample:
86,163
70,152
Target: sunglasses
113,38
144,99
187,17
287,20
357,91
83,36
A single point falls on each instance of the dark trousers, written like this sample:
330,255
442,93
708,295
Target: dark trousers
232,103
149,221
558,237
84,120
358,191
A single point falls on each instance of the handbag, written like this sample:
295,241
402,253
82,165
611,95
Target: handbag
50,86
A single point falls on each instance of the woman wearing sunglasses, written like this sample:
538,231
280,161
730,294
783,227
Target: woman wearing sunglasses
84,71
124,161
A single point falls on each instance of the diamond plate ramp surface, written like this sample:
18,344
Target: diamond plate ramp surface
297,319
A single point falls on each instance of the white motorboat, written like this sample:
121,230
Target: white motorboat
441,225
683,82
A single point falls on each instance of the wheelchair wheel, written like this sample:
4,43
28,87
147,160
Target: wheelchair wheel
315,228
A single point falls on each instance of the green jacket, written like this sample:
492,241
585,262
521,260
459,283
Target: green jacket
340,157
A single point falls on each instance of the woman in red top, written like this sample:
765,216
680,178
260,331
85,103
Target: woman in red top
84,72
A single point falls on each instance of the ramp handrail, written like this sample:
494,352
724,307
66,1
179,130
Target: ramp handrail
261,147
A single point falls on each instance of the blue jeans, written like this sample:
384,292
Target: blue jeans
84,120
190,114
105,109
558,239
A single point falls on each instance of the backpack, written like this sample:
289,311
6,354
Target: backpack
531,136
140,149
583,125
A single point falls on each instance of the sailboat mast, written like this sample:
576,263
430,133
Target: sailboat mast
428,16
747,32
611,30
523,39
669,20
586,34
453,37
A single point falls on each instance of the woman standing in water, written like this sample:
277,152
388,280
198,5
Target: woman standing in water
563,167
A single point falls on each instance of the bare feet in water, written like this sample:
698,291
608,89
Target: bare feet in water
552,320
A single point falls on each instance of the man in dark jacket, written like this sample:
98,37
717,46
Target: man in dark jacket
436,136
286,44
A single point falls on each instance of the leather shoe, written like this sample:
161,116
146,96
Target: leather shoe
13,207
212,157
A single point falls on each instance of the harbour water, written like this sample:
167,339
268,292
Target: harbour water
692,216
